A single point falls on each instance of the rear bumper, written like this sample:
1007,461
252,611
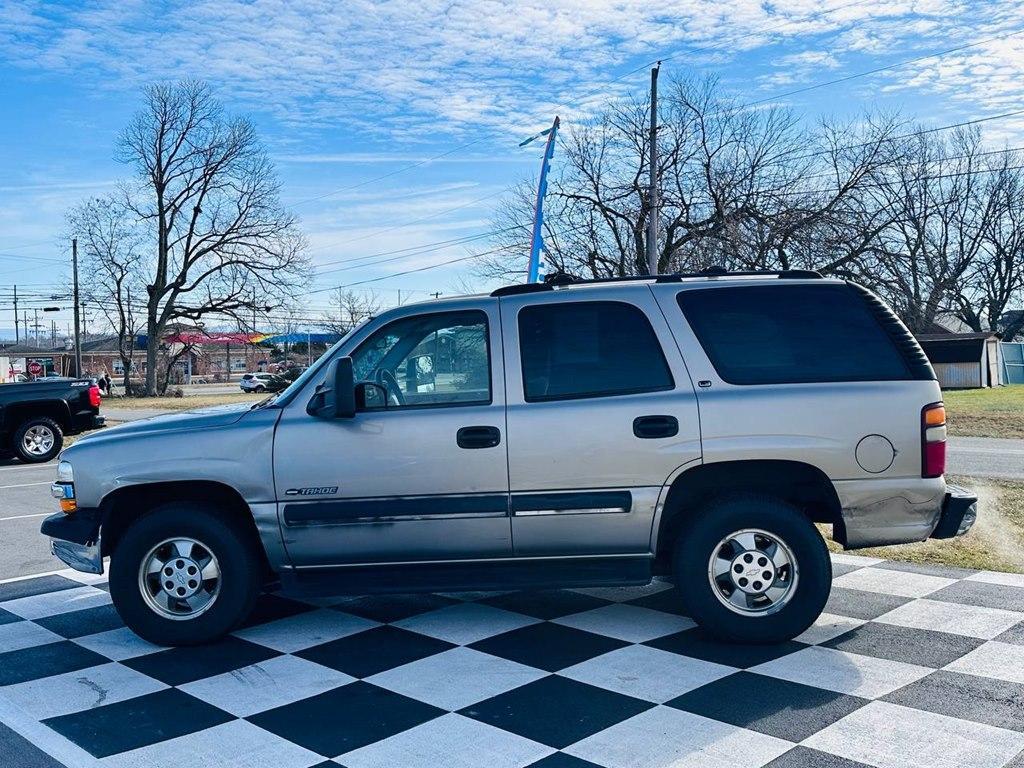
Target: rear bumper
959,511
75,539
83,422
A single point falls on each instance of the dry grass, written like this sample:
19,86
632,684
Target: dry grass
995,543
186,403
995,412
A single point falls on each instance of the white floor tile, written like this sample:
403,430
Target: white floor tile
668,738
902,583
117,644
465,623
52,603
995,577
826,627
843,672
24,634
80,690
646,673
845,559
967,620
999,660
237,744
266,685
452,741
305,630
456,678
631,623
891,736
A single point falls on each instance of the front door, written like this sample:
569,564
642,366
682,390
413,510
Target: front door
601,412
423,476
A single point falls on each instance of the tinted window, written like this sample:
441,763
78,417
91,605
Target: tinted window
791,334
589,349
436,359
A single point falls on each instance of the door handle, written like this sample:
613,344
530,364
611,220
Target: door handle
478,437
652,427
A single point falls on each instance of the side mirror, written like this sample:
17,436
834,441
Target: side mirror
335,398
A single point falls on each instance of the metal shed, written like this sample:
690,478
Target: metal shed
964,360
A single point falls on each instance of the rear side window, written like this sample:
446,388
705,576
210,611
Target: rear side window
589,349
790,334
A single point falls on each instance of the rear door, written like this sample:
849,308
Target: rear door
600,412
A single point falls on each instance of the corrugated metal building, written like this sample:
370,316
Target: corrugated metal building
964,360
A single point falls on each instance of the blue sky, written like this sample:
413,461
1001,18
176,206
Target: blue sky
346,91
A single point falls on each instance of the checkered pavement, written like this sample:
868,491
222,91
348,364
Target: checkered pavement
909,666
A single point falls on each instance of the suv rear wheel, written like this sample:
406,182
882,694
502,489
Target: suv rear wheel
38,439
753,569
183,575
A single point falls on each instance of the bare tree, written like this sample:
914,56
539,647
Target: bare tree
113,258
208,198
348,309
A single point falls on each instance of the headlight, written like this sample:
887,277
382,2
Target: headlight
64,472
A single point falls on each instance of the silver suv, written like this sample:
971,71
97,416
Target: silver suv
572,433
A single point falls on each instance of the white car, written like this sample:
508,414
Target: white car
262,382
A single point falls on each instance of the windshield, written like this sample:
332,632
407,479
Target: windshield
286,395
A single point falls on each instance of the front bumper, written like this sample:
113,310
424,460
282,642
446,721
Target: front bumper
75,539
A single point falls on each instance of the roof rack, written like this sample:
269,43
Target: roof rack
562,279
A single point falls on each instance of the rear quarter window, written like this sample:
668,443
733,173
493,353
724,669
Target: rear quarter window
790,334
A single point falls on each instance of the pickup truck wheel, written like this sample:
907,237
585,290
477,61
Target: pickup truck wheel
753,569
38,439
183,575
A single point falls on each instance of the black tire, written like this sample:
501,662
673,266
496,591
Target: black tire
260,389
18,441
698,541
236,553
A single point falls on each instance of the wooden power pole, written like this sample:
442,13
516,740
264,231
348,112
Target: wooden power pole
78,332
652,194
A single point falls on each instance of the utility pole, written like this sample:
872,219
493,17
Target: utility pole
78,334
652,195
17,337
436,294
35,325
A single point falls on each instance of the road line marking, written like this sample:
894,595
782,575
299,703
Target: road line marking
29,467
25,485
22,517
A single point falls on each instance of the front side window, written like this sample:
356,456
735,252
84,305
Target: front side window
434,359
790,334
589,349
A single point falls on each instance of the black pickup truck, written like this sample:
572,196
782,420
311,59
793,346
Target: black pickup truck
35,415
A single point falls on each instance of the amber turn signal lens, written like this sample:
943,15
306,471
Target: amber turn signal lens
935,416
68,505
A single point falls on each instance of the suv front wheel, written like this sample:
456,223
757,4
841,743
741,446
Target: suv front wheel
184,575
753,569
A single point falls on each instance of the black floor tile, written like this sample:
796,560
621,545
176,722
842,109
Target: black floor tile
548,646
780,708
1014,635
980,593
859,604
982,699
137,722
374,650
46,660
274,607
928,569
31,587
85,622
556,711
19,752
547,604
667,600
562,760
389,608
698,644
805,757
177,666
6,617
924,647
841,569
345,718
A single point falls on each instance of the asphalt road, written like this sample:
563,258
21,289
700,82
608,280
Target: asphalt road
25,496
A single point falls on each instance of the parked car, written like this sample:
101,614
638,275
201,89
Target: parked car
262,382
36,415
571,433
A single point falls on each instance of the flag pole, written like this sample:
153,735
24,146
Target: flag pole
536,242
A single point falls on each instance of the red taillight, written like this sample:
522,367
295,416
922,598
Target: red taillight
933,440
94,396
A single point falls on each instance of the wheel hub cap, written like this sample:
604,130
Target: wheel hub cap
38,440
180,578
753,572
